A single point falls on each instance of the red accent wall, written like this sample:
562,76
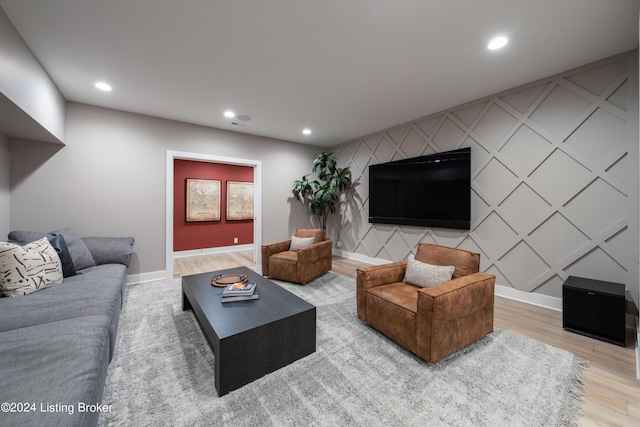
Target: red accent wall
213,234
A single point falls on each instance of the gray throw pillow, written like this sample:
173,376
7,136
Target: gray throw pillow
424,275
79,253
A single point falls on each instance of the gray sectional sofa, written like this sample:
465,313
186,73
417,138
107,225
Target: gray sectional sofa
56,343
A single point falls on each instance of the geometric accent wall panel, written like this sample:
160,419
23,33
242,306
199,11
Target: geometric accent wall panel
524,207
559,177
559,110
496,180
525,150
554,177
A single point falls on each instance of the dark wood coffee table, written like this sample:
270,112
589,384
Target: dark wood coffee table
250,338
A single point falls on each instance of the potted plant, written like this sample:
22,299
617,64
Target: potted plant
323,194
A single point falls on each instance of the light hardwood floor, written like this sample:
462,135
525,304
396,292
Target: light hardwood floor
612,391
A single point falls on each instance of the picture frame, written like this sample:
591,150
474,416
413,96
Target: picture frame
203,200
239,200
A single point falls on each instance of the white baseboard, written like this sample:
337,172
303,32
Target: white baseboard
206,251
359,257
146,277
540,300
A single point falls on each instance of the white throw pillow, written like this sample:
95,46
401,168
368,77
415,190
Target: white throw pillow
29,268
424,275
300,242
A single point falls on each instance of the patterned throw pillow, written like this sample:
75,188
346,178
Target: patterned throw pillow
424,275
300,242
29,268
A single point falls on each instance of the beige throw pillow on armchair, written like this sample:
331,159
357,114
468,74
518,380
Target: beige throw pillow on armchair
300,242
424,275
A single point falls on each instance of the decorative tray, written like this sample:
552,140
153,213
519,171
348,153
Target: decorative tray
223,280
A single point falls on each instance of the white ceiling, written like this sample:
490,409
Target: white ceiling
344,68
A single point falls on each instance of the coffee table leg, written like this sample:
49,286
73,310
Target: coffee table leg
186,304
247,356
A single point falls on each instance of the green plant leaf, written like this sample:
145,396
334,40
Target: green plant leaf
323,194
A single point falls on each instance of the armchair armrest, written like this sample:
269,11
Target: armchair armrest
314,252
276,247
376,275
454,314
270,249
458,297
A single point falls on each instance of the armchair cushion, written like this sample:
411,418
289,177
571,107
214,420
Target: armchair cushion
392,309
465,262
318,234
423,275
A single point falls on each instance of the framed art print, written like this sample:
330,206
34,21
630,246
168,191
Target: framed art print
239,200
203,200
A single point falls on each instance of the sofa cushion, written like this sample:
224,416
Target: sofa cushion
79,253
110,250
423,275
61,363
300,242
29,268
97,291
25,236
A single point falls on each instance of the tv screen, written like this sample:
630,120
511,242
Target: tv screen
432,191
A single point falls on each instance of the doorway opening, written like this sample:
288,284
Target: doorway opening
171,156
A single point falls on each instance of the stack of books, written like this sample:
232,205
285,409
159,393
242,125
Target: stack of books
240,292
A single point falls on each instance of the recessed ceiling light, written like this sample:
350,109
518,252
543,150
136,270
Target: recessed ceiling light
307,131
497,43
105,87
229,114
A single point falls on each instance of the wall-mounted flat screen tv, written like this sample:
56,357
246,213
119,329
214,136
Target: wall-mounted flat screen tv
432,191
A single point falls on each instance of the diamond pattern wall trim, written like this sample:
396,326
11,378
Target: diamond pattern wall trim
551,179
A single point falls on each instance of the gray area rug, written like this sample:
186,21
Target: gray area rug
162,374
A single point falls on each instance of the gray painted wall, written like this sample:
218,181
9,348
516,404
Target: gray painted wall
32,105
554,180
109,179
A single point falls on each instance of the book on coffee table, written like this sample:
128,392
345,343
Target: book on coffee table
239,298
239,288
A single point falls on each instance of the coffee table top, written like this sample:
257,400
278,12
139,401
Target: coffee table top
275,303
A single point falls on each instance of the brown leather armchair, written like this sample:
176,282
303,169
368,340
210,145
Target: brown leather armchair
298,266
431,322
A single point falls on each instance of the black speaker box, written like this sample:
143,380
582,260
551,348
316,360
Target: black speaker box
594,308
